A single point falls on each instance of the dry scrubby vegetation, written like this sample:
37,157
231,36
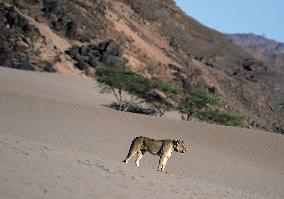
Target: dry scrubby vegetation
20,39
17,38
152,97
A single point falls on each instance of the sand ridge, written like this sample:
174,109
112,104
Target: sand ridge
55,125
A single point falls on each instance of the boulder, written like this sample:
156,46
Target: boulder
113,60
107,52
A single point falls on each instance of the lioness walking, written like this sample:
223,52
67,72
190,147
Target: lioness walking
163,148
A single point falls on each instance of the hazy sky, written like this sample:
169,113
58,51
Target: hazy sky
263,17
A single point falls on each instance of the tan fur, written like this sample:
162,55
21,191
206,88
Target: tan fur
162,148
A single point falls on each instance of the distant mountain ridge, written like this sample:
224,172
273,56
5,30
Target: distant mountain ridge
267,50
251,40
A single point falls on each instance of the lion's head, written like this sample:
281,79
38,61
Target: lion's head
179,146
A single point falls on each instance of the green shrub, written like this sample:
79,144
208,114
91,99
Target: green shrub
193,102
219,117
169,88
152,69
202,100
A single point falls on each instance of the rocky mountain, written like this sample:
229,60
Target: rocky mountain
77,35
269,51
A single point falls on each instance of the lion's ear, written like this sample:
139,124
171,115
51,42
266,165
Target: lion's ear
175,142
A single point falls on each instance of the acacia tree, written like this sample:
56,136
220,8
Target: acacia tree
119,79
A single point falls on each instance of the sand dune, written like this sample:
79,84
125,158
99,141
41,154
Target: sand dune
58,141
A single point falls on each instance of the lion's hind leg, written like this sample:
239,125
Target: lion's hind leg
140,154
130,154
133,149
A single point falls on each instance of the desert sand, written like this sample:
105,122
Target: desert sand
58,140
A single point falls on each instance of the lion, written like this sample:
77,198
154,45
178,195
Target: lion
162,148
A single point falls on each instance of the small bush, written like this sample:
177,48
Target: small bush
224,118
169,88
152,69
194,102
202,100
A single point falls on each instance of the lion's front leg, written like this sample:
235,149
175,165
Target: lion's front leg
162,163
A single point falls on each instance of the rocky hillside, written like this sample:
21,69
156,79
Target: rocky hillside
76,35
269,51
